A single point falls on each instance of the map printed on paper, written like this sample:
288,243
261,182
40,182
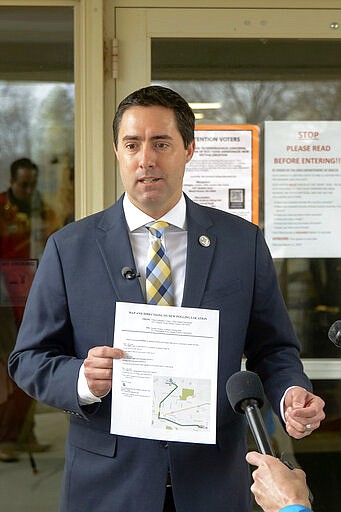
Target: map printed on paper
181,403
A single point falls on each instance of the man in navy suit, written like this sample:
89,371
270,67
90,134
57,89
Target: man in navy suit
64,351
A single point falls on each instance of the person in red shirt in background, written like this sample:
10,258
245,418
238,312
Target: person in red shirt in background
23,221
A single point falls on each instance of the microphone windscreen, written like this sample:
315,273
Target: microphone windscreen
334,333
244,385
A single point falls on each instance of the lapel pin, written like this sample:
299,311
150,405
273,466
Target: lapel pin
204,241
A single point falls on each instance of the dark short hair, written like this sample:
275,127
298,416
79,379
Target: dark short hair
155,95
22,163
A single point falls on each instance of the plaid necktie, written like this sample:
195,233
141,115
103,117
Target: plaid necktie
159,288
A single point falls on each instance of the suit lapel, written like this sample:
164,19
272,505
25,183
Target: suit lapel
115,249
200,253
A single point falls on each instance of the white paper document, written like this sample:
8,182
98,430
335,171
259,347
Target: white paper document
302,182
166,386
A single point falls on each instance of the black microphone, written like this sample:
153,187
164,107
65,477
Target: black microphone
334,333
129,273
246,395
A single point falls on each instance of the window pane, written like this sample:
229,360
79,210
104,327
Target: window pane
255,81
36,198
320,453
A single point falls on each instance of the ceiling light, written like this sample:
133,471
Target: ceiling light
205,106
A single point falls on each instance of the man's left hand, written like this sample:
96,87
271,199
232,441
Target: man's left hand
303,412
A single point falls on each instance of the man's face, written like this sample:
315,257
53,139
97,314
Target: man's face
152,158
24,184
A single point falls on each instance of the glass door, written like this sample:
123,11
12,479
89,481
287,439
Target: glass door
253,67
37,100
51,157
258,66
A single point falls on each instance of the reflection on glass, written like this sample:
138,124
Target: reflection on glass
36,198
320,454
37,122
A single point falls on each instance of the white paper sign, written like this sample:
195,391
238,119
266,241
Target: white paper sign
166,386
303,188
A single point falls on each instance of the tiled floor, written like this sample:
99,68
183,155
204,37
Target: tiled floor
23,491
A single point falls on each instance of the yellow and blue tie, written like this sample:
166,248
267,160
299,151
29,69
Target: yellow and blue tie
159,288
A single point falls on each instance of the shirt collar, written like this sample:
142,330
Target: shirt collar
137,218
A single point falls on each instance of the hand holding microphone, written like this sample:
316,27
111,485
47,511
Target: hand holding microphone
245,392
275,486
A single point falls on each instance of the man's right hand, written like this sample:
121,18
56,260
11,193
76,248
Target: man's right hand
98,368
